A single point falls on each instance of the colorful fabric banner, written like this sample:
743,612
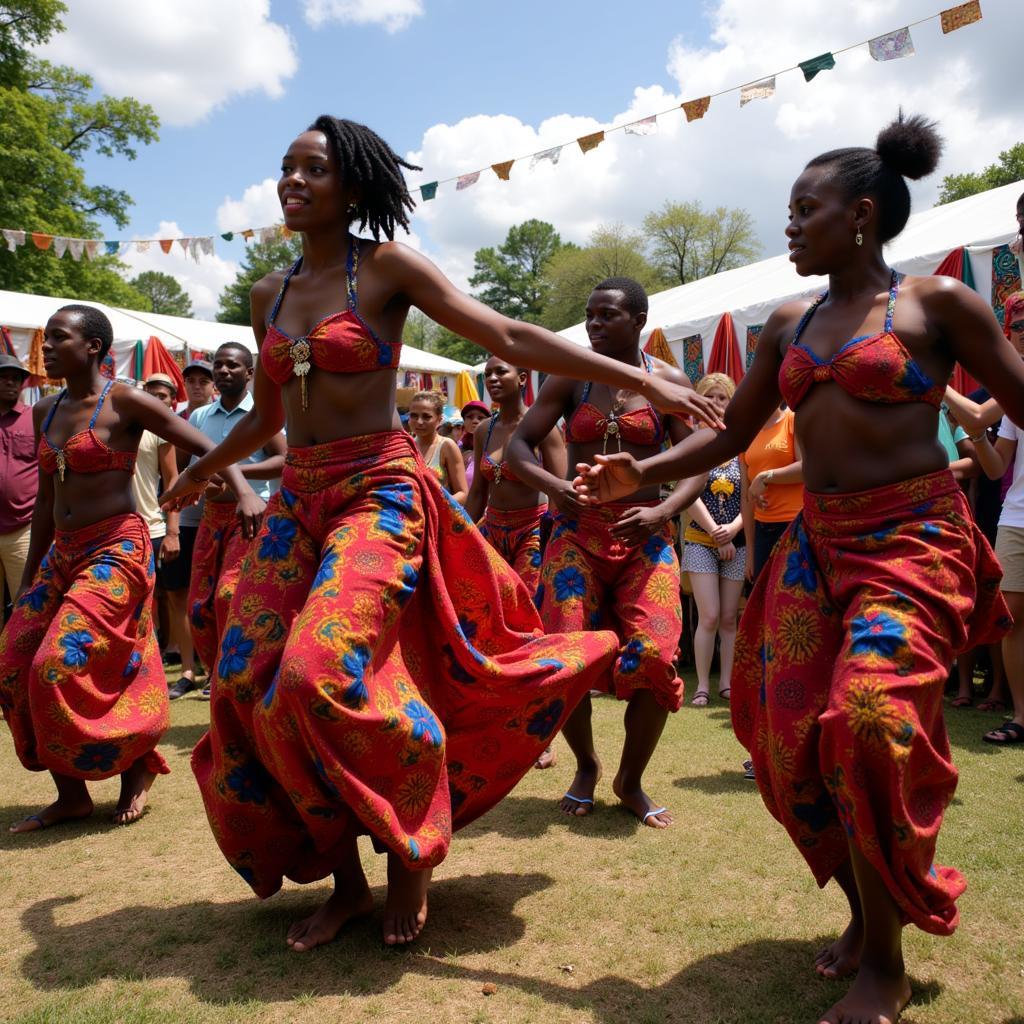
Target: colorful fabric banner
165,244
892,46
657,346
503,170
823,62
467,181
645,126
1005,279
693,358
158,360
248,234
184,243
591,141
753,333
60,246
92,248
76,246
553,155
696,109
41,241
228,236
428,191
957,17
143,246
757,90
7,346
725,351
13,239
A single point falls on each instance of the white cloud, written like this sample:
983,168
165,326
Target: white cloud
185,58
392,15
259,207
203,281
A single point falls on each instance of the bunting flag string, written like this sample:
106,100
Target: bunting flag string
889,46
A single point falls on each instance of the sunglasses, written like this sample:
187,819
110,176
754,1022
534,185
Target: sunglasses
1017,325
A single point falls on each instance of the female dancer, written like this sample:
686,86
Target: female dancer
715,554
361,686
441,454
81,682
508,510
846,642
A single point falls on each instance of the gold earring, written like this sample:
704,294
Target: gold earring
859,238
352,210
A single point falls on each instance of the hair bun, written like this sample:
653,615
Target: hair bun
910,146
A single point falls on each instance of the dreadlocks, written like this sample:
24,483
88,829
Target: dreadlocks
368,162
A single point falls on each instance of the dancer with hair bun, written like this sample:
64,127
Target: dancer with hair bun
379,672
846,642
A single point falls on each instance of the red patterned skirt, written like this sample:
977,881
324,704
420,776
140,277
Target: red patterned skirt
380,671
81,682
841,662
515,535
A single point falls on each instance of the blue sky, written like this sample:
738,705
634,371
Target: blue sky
460,84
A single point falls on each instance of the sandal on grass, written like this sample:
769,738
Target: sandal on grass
993,705
961,702
1006,734
724,694
700,699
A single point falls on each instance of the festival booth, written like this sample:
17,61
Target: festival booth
149,342
713,324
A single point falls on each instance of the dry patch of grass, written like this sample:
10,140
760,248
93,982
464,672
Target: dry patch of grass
592,920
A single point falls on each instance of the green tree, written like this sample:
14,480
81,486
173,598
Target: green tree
164,293
511,278
260,259
423,333
571,274
687,242
51,121
1008,169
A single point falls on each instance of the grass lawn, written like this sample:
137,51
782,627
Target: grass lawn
593,921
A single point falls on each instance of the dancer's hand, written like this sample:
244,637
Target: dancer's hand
668,397
216,487
636,525
612,476
566,500
170,548
250,512
187,490
727,552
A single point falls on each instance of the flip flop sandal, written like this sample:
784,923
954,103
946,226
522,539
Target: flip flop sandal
1006,735
37,819
651,814
582,800
700,699
724,694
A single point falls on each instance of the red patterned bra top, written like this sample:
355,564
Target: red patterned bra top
874,367
638,426
341,342
494,472
83,452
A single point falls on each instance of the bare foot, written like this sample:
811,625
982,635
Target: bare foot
322,926
874,998
579,800
135,785
649,813
62,809
842,957
546,760
405,909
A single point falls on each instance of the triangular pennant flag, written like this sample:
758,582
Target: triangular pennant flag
269,234
551,154
92,248
696,109
466,180
60,246
13,239
76,246
165,244
757,90
248,233
41,241
193,248
228,236
206,244
823,62
428,191
111,247
591,141
957,17
184,243
503,170
645,126
892,46
144,244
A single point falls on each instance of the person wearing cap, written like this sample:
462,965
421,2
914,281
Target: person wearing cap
473,413
198,386
19,476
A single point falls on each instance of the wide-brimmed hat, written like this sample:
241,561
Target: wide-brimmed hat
161,378
12,363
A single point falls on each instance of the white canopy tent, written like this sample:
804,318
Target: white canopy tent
23,314
980,223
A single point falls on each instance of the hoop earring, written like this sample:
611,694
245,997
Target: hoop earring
352,210
859,238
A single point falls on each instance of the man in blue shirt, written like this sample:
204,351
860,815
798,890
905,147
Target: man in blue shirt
219,545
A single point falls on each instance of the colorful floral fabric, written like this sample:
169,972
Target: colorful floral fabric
81,682
381,670
841,661
515,535
216,563
590,581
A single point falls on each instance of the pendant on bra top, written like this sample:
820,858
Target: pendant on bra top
611,430
62,463
300,352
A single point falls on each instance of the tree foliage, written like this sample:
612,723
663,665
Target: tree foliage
1008,169
423,333
260,259
164,293
511,278
51,120
687,242
571,274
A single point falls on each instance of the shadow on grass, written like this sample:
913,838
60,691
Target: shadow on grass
98,822
729,781
966,728
184,737
529,817
237,951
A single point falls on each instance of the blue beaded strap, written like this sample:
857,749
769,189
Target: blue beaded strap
351,270
890,309
490,428
95,415
49,415
99,404
280,295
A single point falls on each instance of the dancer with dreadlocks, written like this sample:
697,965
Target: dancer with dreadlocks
359,689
